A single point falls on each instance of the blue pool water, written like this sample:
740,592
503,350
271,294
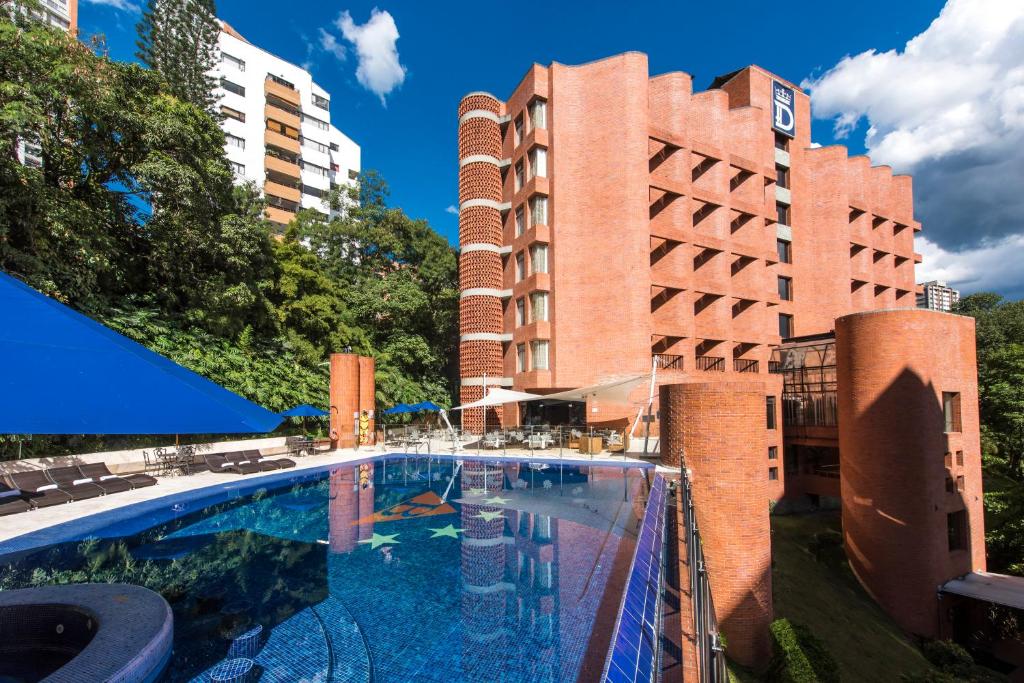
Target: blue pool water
395,569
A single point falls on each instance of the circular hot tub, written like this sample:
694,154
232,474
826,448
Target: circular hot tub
84,632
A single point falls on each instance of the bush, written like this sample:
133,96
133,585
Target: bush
827,548
949,657
800,657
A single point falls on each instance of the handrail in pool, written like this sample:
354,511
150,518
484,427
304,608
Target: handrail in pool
635,650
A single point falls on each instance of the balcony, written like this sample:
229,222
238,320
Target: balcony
745,365
775,367
286,143
711,363
282,166
292,194
281,115
279,88
277,215
668,361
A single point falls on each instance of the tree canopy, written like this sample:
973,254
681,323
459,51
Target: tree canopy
178,39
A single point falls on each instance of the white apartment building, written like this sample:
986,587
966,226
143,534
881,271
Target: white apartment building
937,295
278,127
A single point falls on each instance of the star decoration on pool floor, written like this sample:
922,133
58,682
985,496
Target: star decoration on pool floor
496,500
488,515
449,530
476,493
379,540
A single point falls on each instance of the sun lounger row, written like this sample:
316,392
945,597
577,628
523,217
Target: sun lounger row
33,489
245,462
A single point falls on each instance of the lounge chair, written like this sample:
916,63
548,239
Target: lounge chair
69,480
219,463
251,457
101,474
269,463
39,489
12,500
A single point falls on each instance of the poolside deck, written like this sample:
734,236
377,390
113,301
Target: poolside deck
15,525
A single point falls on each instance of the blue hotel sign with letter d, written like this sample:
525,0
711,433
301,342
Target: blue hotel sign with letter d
783,118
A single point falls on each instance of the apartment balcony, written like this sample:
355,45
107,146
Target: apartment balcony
711,363
746,365
283,141
276,215
278,89
285,168
292,194
668,361
282,116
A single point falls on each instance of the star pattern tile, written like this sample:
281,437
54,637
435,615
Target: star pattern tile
450,530
489,515
380,539
496,500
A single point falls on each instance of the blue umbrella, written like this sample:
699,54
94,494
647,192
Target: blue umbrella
63,373
304,410
399,408
425,405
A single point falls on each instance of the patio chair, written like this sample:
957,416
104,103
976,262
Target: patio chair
12,500
494,440
100,473
537,441
40,490
219,463
266,463
70,481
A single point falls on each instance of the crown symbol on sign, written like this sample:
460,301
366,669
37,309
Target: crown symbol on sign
783,96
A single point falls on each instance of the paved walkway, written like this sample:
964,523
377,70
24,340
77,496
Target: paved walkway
34,520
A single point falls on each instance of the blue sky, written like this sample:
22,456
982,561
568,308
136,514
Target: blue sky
447,50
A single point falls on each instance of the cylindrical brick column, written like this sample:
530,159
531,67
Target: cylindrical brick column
719,430
480,239
896,457
352,391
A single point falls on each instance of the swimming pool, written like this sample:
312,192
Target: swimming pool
408,568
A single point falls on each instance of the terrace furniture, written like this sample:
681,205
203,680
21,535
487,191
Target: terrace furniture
618,443
99,471
494,440
12,500
70,481
266,464
219,463
591,444
539,441
40,490
111,484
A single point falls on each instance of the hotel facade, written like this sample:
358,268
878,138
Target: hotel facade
611,222
277,122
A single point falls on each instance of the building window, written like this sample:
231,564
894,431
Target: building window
773,473
785,325
281,81
951,410
521,358
538,114
520,266
960,458
313,191
233,113
237,168
538,211
960,483
520,178
315,169
784,250
956,530
769,403
538,162
539,351
783,212
520,312
235,141
538,306
313,144
518,128
773,452
781,142
520,222
539,258
321,102
950,485
233,61
782,176
785,288
315,122
280,128
232,87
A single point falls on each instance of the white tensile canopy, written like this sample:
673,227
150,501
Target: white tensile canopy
613,391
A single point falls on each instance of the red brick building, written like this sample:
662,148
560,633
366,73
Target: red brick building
611,220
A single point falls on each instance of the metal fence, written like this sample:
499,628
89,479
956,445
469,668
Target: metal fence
707,642
562,442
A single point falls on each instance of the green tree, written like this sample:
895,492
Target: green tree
178,39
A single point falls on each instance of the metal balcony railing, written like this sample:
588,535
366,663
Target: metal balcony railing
711,363
669,361
775,367
745,365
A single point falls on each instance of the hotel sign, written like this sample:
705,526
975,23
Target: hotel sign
783,119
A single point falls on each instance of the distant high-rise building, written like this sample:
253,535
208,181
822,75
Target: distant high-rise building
937,295
278,127
60,13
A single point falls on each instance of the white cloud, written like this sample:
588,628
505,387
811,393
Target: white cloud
993,266
123,5
452,209
948,108
328,43
380,70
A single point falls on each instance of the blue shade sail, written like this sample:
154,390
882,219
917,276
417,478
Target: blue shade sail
63,373
425,405
304,410
400,408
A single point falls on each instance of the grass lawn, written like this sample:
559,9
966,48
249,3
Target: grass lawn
865,642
